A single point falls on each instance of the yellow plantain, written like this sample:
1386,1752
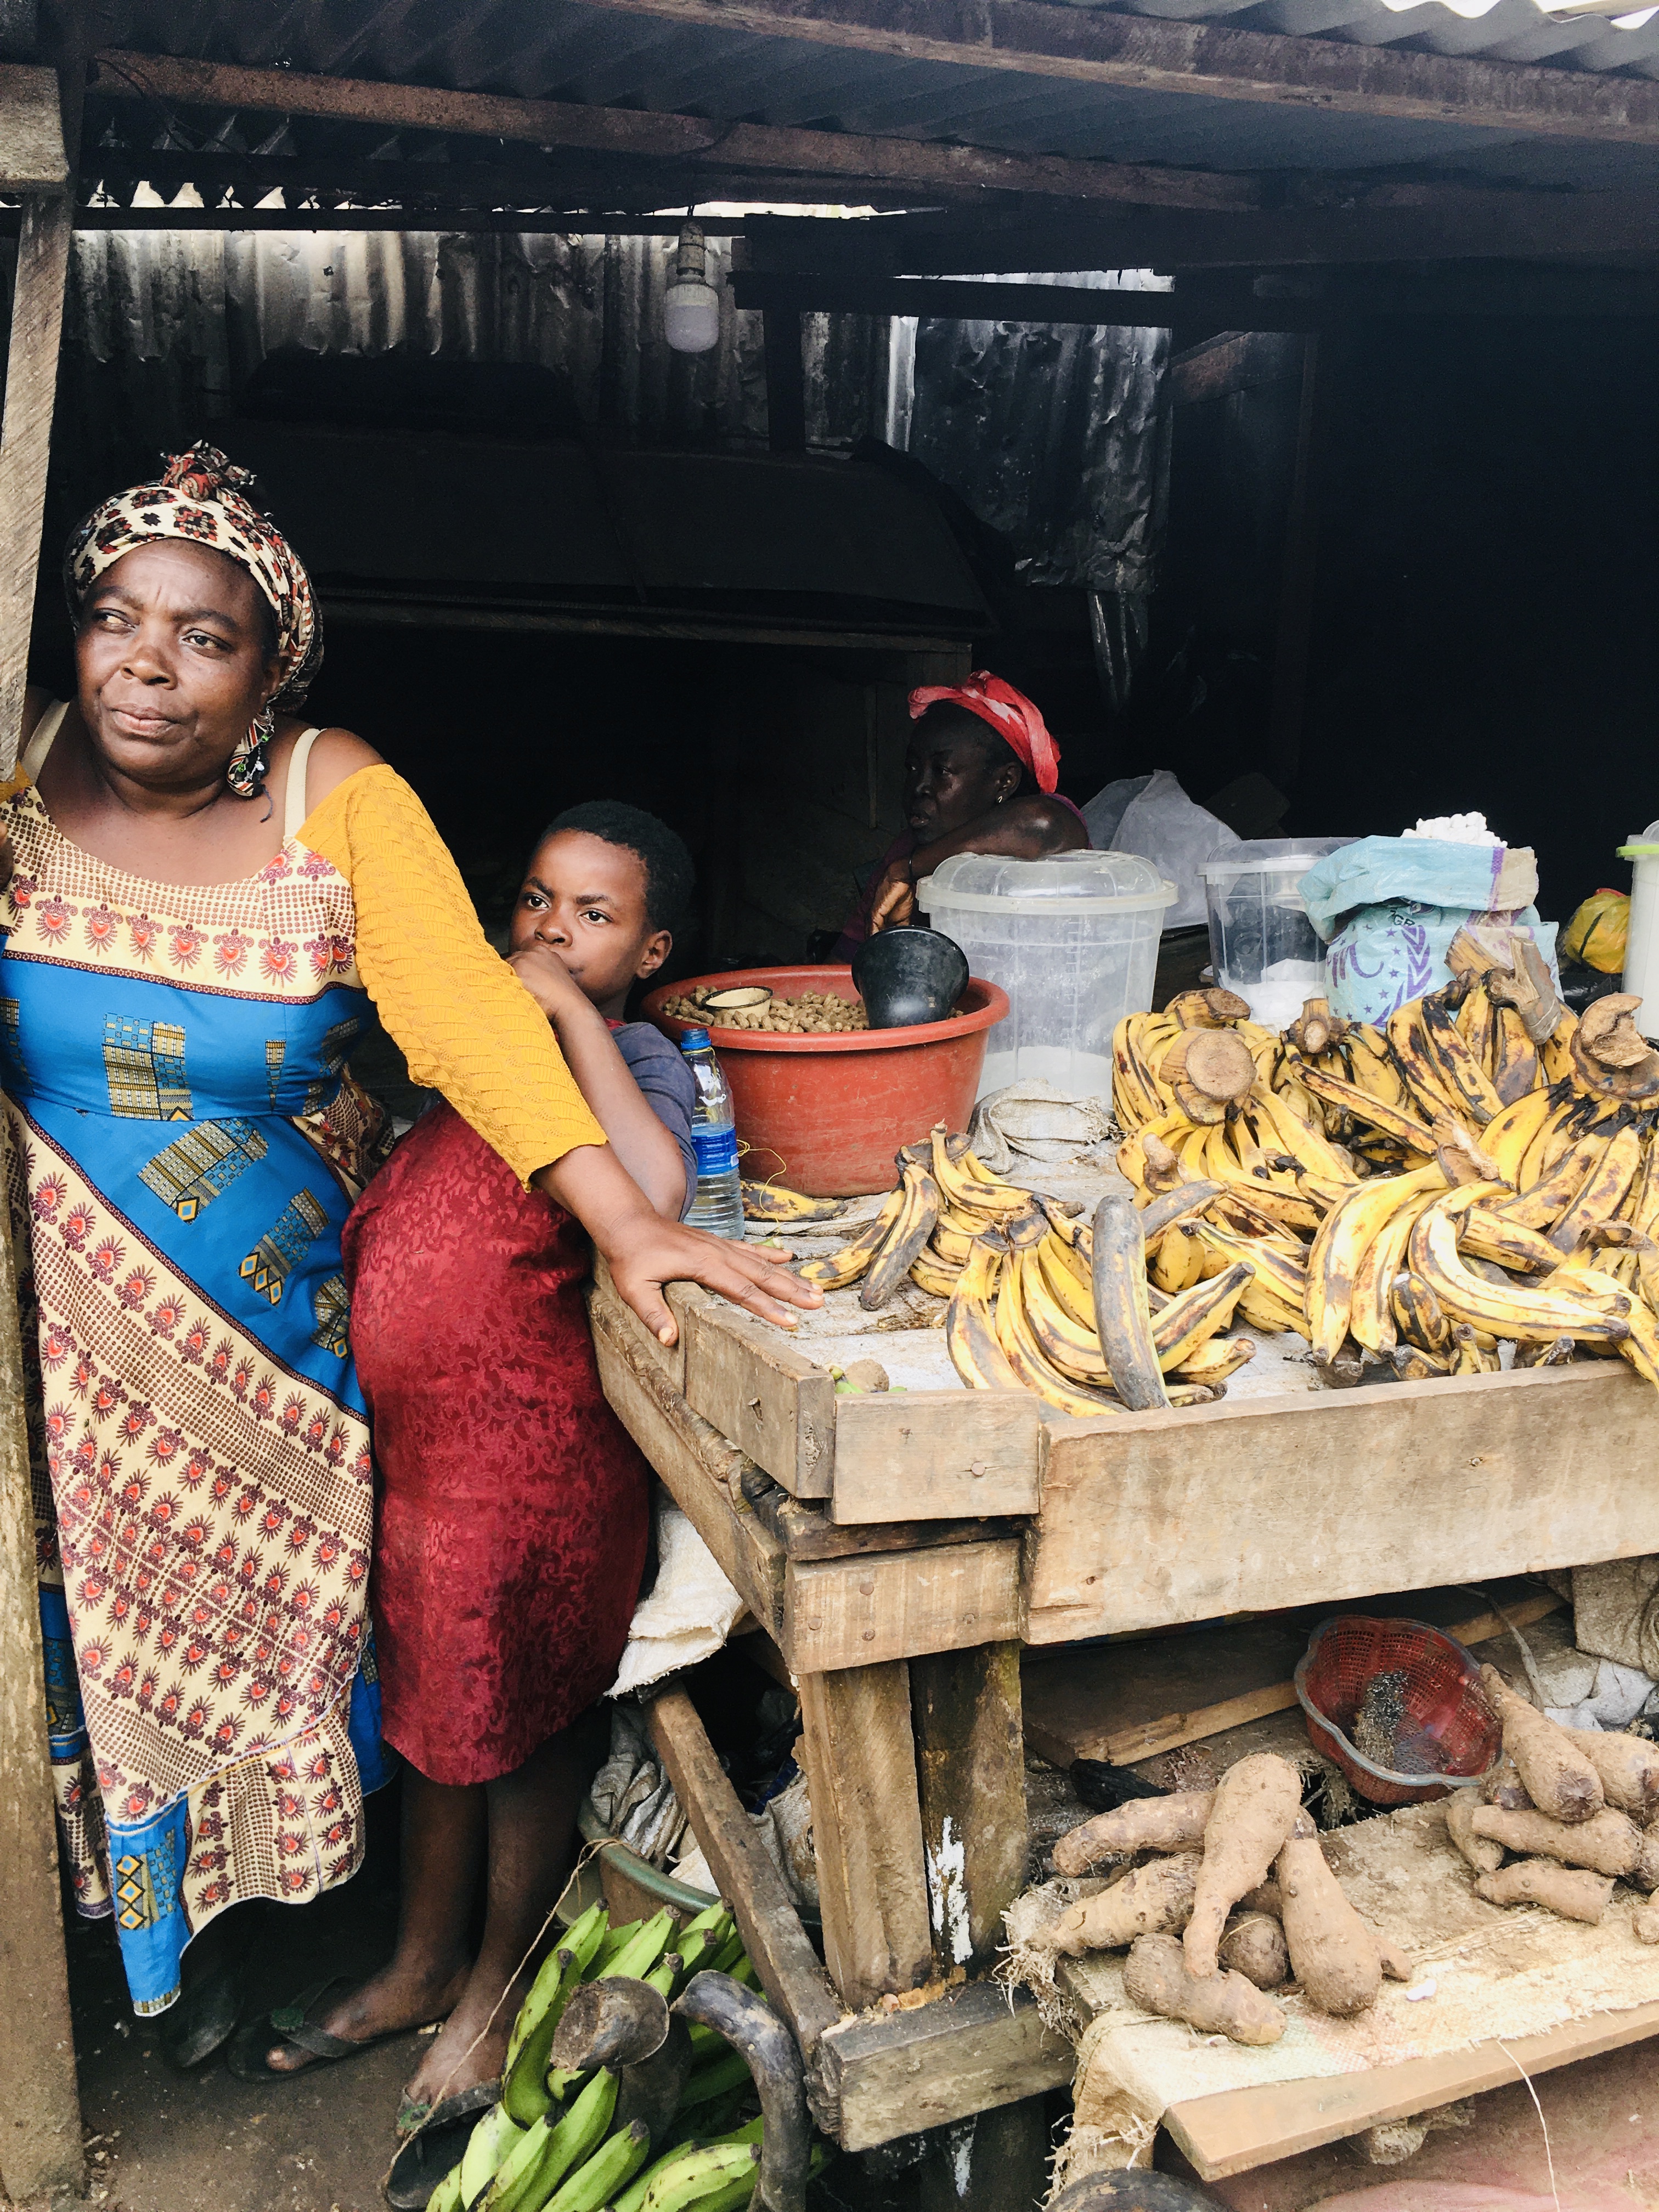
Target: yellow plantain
1604,1191
767,1202
1460,1072
891,1263
1301,1141
1215,1359
963,1191
1370,1319
1122,1314
837,1269
1189,1320
939,1278
1487,1236
1284,1273
1421,1075
1506,1310
1541,1204
1067,1283
1506,1137
1513,1068
1024,1354
1407,1127
970,1335
1340,1245
1417,1315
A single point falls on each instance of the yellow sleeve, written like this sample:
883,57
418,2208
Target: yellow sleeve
462,1019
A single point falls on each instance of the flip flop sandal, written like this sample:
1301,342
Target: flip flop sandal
414,2113
426,2158
292,2024
204,2018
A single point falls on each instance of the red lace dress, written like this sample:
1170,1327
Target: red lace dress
511,1509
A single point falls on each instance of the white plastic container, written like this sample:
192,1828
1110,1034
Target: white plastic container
1071,938
1641,977
1262,943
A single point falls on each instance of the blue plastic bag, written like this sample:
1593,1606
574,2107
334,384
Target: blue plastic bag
1389,908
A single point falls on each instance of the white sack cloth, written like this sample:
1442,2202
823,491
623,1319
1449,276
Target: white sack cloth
689,1613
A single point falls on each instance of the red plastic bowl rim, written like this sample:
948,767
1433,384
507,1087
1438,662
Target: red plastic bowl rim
1299,1679
981,1018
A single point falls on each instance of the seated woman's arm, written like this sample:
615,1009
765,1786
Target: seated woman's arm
469,1028
1022,828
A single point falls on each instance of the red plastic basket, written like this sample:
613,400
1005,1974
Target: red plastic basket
1445,1721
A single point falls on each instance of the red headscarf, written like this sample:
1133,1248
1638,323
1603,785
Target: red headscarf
1009,713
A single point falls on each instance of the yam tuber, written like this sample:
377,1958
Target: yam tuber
1396,1965
1628,1766
1155,1977
1644,1921
1252,1944
1607,1843
1334,1954
1255,1803
1572,1893
1558,1778
1264,1898
1484,1855
1174,1823
1154,1900
1504,1787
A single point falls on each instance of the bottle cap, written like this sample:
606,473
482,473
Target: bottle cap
693,1040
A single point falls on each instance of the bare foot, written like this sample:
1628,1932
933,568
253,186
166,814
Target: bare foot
392,2000
450,2064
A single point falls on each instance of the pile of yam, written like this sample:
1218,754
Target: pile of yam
1239,1876
1565,1815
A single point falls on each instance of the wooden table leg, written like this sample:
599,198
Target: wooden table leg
860,1760
997,2161
970,1756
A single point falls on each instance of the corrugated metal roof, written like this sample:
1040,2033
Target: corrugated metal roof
571,50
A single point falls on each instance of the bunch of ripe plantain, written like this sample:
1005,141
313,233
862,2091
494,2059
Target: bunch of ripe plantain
554,2143
1484,1170
1021,1274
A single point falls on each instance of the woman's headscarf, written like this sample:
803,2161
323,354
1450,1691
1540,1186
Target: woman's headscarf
1014,717
203,499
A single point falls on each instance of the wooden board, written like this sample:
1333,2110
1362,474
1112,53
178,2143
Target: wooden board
681,1298
970,1762
1242,2129
32,156
861,1761
785,1960
771,1400
1130,1700
966,2051
684,1451
922,1455
848,1613
1152,1519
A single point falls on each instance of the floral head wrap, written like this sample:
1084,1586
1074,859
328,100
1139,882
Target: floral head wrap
1015,720
206,499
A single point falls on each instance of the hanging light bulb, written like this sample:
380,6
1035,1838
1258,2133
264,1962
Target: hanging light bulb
691,305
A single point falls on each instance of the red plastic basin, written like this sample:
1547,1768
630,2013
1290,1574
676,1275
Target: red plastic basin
825,1114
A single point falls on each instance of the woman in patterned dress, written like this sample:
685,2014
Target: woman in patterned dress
204,899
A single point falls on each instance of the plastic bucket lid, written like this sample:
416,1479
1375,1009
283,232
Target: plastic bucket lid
1077,882
1004,902
1227,871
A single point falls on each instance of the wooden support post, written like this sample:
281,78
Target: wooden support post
37,323
1288,705
996,2161
970,1759
861,1761
781,1950
39,2105
786,379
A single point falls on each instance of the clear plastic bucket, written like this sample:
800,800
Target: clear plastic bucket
1073,939
1262,943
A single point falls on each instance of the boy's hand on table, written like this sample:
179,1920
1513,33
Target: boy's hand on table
547,978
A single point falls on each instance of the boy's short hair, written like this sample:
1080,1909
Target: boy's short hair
670,878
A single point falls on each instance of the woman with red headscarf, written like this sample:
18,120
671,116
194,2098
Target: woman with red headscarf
979,777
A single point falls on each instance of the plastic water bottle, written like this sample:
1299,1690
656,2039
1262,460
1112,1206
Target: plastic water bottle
718,1206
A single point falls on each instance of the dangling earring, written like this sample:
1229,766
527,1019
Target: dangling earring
245,774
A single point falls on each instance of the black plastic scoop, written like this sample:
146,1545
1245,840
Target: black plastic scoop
909,975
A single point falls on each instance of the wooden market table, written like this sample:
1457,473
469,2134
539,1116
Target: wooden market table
903,1551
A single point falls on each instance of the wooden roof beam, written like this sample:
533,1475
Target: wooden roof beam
1098,45
32,156
929,170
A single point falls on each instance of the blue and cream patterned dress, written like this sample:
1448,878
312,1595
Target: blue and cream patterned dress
185,1145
